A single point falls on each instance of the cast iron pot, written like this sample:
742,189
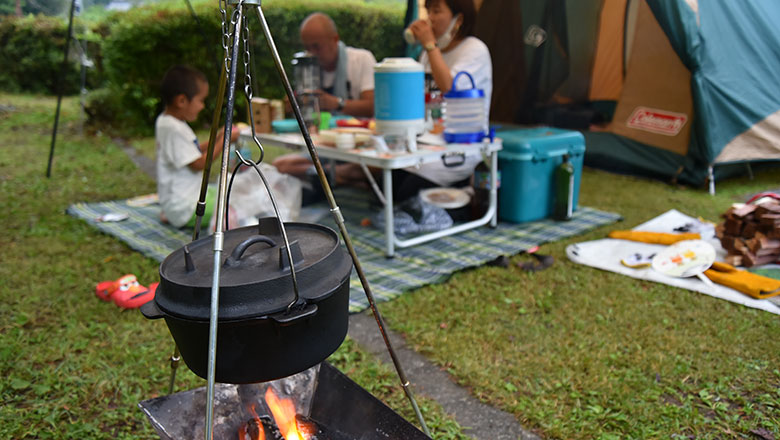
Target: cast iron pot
258,338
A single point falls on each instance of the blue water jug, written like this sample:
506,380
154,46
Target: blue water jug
465,116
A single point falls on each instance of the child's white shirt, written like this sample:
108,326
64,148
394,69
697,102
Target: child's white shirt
178,185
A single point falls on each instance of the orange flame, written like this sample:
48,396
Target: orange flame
283,411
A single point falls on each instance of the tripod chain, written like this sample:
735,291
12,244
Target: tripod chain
227,31
246,40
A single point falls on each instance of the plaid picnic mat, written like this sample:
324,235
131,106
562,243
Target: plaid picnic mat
412,267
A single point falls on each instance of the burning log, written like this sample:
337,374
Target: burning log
283,411
253,429
328,406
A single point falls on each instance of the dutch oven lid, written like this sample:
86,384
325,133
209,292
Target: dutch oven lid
254,275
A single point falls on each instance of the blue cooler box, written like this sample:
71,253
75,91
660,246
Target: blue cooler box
527,163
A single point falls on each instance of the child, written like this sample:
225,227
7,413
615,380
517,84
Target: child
180,157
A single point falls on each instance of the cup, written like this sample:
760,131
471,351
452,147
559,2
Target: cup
409,36
325,120
395,143
345,141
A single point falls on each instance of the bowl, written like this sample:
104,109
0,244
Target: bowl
285,126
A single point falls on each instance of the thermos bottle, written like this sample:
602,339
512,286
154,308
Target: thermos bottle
564,190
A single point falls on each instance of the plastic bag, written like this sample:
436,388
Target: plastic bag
249,198
414,216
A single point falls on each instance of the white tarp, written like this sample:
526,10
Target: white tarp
606,254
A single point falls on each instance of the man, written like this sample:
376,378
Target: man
347,72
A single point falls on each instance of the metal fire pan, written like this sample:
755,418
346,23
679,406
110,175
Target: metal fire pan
321,393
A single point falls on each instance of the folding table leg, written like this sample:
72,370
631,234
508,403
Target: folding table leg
494,187
387,176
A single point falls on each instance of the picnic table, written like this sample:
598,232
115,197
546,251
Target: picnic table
389,161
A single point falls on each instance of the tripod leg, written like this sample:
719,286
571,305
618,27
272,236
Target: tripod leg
335,210
59,88
220,213
201,206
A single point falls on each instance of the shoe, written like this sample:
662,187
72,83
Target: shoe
105,289
135,297
126,292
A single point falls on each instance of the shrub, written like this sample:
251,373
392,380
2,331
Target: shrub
141,44
32,55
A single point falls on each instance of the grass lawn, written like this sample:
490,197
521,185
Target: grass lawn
75,367
572,352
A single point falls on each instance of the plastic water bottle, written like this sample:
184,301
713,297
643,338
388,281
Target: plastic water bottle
465,116
433,112
481,184
564,190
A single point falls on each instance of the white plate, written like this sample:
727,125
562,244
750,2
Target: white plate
447,198
328,137
685,258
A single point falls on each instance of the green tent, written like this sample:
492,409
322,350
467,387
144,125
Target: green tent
676,89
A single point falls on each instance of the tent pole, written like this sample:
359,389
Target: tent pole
59,88
711,179
83,91
202,33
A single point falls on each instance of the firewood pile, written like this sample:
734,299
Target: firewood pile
751,234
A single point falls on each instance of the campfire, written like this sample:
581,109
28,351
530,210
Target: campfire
286,421
317,404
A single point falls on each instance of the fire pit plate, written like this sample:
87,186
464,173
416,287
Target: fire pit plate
321,393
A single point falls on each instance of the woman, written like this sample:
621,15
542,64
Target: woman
450,47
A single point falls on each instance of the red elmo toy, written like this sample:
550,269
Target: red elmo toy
126,292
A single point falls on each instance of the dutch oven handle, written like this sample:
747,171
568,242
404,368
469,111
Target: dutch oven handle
238,252
151,311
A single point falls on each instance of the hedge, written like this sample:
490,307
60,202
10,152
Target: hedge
142,43
31,56
133,49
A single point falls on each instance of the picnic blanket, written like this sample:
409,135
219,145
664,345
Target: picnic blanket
606,254
412,267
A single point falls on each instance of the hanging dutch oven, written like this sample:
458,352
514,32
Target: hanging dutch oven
261,334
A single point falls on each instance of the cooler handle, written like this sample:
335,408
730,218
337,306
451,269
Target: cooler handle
455,80
548,154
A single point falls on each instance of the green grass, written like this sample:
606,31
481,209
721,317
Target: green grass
572,352
75,367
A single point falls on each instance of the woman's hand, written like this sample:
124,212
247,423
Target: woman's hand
423,32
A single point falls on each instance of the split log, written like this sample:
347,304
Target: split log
750,259
733,226
744,211
751,234
734,259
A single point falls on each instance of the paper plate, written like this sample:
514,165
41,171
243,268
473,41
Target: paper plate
447,198
685,258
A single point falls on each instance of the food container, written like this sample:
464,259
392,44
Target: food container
399,99
465,115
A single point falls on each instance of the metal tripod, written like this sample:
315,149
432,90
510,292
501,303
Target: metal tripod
59,87
232,36
85,63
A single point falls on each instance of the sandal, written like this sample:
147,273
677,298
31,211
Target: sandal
125,292
543,261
